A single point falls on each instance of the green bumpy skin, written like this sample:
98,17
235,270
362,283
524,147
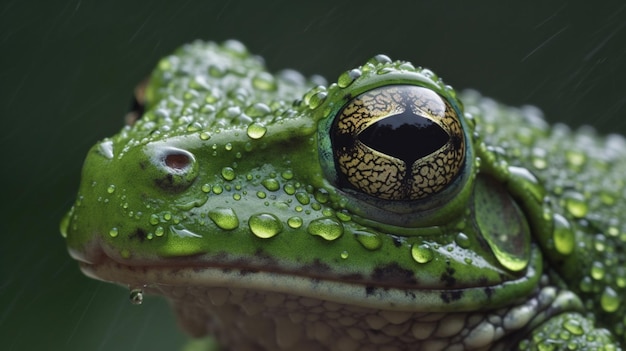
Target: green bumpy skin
271,223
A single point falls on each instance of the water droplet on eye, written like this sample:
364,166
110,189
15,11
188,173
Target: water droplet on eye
111,189
422,253
256,130
265,225
327,228
294,222
136,296
271,184
563,235
228,173
224,217
113,232
576,204
609,300
368,239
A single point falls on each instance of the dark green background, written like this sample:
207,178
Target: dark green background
67,70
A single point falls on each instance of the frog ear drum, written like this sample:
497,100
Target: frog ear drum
398,142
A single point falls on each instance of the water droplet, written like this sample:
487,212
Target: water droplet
344,254
205,136
136,296
271,184
287,174
322,196
576,204
609,300
573,326
264,81
462,240
228,173
289,189
206,188
65,223
265,225
563,235
348,77
111,189
368,239
261,194
159,231
113,232
422,253
217,189
597,270
257,110
256,130
303,198
224,217
316,100
575,158
294,222
327,228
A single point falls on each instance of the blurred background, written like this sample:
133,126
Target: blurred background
68,68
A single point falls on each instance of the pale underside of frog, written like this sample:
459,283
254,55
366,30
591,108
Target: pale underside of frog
375,213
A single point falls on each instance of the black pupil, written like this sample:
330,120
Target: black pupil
406,136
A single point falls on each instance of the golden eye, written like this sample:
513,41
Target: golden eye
398,142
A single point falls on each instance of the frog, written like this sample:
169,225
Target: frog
382,211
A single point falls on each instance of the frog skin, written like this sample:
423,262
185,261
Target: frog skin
375,213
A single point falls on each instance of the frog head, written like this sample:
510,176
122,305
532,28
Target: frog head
375,190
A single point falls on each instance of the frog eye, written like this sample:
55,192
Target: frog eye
397,142
176,168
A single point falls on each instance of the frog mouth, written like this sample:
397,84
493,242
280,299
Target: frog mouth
166,276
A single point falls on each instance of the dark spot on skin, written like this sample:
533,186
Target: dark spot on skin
393,274
167,183
369,290
139,234
488,291
448,277
451,295
142,165
397,242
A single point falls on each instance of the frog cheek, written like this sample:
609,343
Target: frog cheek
397,142
171,169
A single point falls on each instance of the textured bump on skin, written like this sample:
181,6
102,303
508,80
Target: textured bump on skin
274,321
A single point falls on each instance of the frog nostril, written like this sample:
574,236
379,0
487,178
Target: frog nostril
177,161
173,169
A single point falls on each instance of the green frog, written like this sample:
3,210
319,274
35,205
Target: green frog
384,211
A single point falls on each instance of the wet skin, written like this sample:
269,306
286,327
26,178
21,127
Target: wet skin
381,211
